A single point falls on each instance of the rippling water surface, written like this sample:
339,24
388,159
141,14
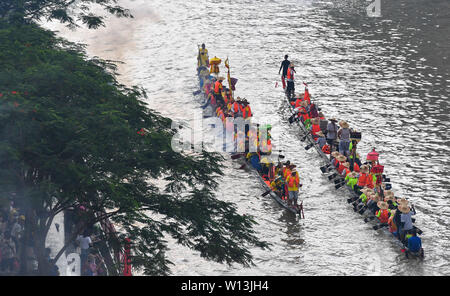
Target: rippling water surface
388,76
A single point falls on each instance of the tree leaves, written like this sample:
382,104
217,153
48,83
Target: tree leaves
73,140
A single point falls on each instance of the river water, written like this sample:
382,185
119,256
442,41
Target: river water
388,76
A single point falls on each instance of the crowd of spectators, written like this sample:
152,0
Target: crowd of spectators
11,231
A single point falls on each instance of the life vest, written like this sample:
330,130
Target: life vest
293,182
297,103
383,216
247,112
340,167
303,113
326,149
286,173
290,75
347,171
315,129
392,226
362,181
370,181
235,107
213,100
217,87
356,167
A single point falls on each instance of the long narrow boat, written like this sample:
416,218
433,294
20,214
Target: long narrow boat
276,196
296,210
330,168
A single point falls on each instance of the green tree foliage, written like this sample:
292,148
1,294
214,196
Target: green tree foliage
70,12
71,135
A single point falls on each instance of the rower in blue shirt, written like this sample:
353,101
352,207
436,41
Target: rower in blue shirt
414,245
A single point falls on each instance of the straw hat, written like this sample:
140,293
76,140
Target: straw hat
291,65
320,134
404,208
389,198
321,114
221,78
346,164
341,158
389,193
352,174
303,103
315,120
366,190
403,201
333,119
383,205
344,124
364,169
335,154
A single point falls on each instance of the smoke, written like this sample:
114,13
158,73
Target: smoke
116,40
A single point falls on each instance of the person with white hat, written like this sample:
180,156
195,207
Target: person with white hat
383,213
321,141
406,224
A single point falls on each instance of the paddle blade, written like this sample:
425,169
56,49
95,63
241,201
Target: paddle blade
196,92
236,156
332,176
267,192
281,156
339,185
309,146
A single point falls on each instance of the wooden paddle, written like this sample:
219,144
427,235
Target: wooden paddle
369,219
340,185
332,176
267,192
325,168
309,146
236,156
381,225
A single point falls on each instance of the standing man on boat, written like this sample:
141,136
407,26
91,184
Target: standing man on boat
290,90
284,66
203,58
293,183
332,130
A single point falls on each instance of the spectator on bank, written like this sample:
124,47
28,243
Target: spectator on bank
85,244
8,251
17,230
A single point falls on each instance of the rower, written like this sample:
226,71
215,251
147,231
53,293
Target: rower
383,213
405,219
218,89
414,245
